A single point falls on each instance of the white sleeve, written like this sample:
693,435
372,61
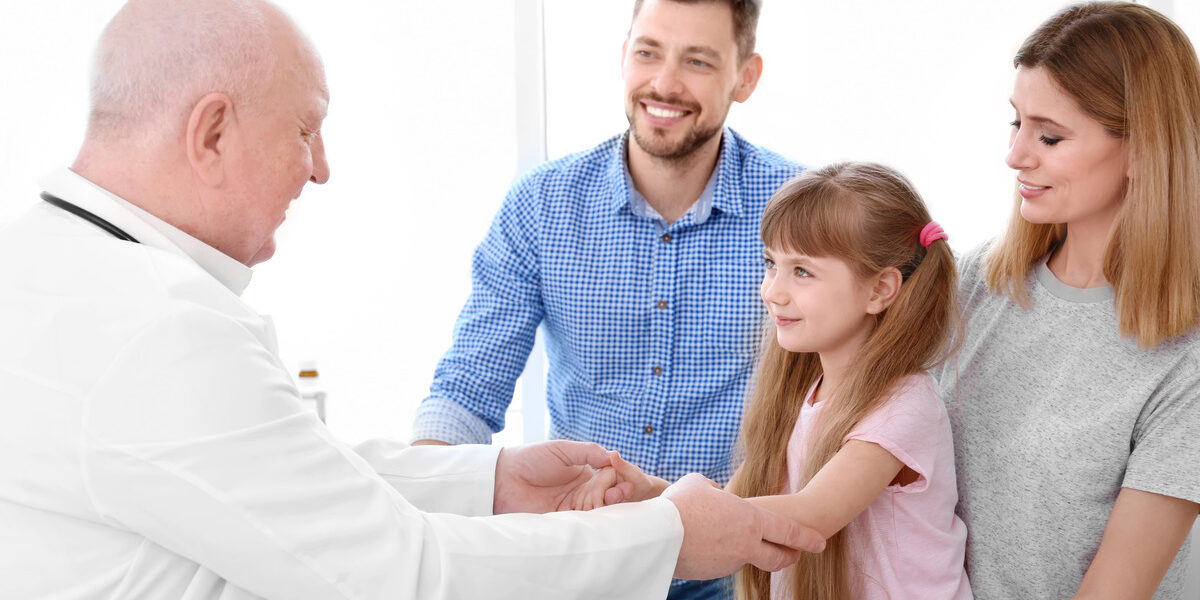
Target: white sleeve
195,440
450,479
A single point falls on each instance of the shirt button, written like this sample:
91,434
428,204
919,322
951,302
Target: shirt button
658,370
666,238
661,304
649,429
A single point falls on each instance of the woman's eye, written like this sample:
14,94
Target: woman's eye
1049,141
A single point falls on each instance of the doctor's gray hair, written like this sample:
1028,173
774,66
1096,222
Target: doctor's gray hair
157,58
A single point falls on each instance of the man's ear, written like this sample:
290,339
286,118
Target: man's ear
884,290
748,75
209,127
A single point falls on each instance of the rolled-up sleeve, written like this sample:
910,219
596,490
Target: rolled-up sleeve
495,331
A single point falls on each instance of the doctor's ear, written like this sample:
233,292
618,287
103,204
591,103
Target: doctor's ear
209,127
885,286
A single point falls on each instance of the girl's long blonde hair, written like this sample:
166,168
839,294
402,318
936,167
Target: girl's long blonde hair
869,216
1135,72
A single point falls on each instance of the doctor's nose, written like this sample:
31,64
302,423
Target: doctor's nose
320,171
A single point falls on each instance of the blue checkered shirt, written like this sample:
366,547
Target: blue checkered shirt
651,329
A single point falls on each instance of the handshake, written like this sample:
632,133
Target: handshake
722,532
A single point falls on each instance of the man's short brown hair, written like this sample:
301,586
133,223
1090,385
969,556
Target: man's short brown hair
745,21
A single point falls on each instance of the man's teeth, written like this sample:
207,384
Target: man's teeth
663,113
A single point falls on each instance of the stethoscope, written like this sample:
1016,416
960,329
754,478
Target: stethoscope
90,217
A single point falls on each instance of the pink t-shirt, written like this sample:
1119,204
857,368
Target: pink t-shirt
908,543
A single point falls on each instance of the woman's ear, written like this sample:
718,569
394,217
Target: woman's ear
884,289
209,125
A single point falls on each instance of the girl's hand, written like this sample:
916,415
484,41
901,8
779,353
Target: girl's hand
621,482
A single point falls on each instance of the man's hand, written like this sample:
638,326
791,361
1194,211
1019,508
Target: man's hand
722,532
547,476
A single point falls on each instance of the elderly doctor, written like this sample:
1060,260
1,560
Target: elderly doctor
153,445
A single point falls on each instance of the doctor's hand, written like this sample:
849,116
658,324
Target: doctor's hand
722,532
546,476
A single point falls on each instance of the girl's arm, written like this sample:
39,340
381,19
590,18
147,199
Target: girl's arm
1144,532
842,489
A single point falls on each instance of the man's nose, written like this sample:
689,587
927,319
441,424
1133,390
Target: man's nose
666,82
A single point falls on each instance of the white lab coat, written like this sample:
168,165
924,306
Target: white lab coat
152,446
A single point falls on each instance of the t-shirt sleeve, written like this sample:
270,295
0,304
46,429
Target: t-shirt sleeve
909,427
1165,457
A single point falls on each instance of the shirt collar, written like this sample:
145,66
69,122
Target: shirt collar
722,192
696,214
146,228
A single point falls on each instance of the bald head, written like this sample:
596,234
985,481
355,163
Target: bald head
157,58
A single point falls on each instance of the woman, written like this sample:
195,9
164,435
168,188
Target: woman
1075,398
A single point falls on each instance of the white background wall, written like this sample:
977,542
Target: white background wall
373,266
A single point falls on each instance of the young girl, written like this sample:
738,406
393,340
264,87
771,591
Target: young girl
844,431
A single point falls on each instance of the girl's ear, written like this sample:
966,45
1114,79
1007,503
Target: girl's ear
884,289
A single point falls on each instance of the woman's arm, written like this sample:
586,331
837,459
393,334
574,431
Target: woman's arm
842,489
1143,535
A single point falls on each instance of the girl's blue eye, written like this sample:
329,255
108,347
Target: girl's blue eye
768,263
801,272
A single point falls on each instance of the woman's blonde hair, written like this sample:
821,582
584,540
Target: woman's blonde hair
1134,72
869,216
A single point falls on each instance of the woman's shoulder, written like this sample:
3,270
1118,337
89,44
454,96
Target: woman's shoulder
972,264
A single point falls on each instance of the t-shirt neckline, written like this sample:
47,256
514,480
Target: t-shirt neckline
1057,288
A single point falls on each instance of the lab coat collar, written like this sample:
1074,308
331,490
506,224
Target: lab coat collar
146,228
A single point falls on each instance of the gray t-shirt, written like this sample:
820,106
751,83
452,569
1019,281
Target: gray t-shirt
1053,412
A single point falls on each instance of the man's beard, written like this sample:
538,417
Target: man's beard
663,149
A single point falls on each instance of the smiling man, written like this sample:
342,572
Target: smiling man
641,259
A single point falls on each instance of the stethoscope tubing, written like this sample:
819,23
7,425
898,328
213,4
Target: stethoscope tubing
90,217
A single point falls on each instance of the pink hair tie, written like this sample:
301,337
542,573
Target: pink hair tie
932,233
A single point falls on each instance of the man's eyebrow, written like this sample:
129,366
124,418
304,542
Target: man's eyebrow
703,51
707,51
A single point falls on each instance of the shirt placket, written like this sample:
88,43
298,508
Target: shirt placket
668,245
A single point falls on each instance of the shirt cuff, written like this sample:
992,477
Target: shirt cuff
446,421
459,480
